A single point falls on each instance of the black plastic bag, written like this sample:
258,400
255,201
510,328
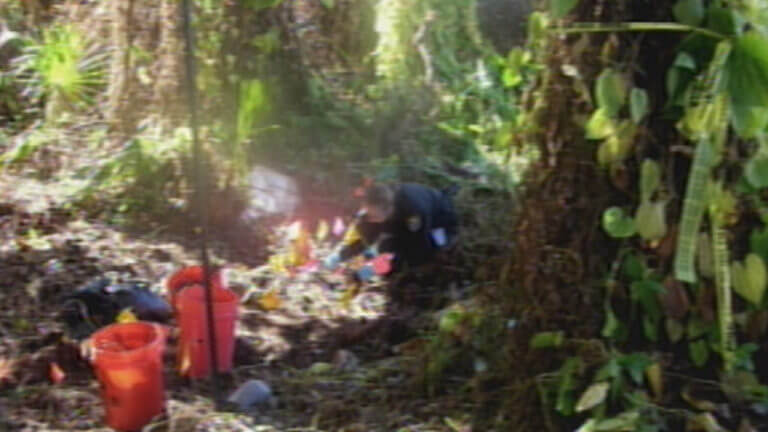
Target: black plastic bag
98,303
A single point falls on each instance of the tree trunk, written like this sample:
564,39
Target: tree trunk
119,110
170,73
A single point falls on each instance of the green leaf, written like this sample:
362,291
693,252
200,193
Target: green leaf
328,3
600,125
743,356
651,328
650,220
749,278
749,121
516,60
638,104
593,396
634,268
724,292
561,8
635,364
685,61
624,422
747,68
267,42
451,320
758,243
722,203
511,78
704,422
611,370
724,20
617,147
675,330
646,293
538,25
617,224
650,179
690,12
756,170
588,426
547,340
705,258
258,5
612,325
677,80
565,400
609,152
611,91
253,104
699,352
697,328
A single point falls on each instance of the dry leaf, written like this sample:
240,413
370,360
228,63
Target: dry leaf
674,299
349,294
704,422
412,347
294,230
7,369
457,426
746,426
270,301
300,248
351,236
593,396
322,230
33,288
320,368
55,373
655,379
699,404
666,246
185,359
278,263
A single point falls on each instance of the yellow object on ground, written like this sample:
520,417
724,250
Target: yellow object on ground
270,301
126,316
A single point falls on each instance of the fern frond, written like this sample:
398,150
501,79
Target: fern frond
693,210
723,289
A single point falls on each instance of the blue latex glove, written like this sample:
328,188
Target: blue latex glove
365,273
371,252
332,261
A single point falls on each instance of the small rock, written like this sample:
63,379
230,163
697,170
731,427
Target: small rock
320,368
345,361
252,393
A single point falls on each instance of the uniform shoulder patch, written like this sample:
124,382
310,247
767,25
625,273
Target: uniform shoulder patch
414,223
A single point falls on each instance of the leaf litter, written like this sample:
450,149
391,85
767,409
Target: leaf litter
295,315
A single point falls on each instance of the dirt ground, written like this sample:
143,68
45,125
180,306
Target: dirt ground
322,376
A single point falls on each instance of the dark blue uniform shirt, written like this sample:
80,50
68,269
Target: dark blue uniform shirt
418,210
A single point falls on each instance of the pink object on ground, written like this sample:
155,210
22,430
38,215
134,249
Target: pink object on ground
382,264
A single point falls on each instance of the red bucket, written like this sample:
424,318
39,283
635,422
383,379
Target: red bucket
128,360
191,276
194,343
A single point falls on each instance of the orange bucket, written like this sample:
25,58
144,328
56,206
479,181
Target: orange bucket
191,276
128,360
194,343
